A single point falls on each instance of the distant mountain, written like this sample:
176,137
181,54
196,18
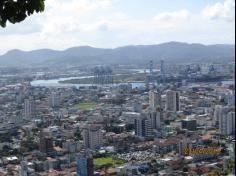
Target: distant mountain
85,55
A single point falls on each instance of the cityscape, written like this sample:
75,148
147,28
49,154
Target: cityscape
108,128
164,109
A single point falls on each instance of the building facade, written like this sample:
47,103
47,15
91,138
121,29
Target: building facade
85,164
154,99
92,137
29,108
143,126
172,101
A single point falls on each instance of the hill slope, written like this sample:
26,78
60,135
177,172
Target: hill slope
85,55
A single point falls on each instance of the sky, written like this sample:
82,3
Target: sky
114,23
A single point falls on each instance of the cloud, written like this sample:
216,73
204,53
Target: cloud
100,23
181,14
222,11
172,19
69,16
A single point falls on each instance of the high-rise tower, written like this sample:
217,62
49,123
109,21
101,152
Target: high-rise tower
172,101
29,108
154,99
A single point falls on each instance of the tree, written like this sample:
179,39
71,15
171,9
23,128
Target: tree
16,11
29,145
153,167
78,135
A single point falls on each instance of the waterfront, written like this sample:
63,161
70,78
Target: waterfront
56,83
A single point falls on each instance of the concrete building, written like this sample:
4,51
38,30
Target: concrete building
227,122
154,99
24,169
189,124
54,100
92,137
231,116
184,145
155,117
217,112
143,126
29,108
137,106
46,141
230,98
71,146
172,101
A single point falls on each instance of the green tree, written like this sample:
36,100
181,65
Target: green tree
153,167
217,173
16,11
28,145
230,166
78,135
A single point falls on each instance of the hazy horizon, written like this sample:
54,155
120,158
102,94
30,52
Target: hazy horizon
115,47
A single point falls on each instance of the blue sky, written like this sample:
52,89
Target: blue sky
113,23
150,7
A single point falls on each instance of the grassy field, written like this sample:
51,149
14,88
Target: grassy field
108,161
85,106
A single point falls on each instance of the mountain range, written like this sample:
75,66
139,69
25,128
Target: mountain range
85,55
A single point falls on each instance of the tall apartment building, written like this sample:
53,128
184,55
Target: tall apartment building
154,99
29,108
172,101
143,126
54,100
45,141
217,112
155,117
92,137
227,122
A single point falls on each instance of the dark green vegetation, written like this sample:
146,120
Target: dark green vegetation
228,170
17,11
29,145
